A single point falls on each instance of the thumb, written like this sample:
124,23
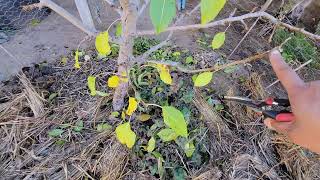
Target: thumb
280,127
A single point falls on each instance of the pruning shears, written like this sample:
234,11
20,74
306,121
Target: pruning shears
266,107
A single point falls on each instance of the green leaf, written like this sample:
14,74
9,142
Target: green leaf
144,117
179,174
60,142
218,40
162,13
151,145
118,30
102,94
203,79
189,149
167,135
92,85
157,155
78,126
210,9
103,127
175,120
219,107
189,60
115,114
52,96
125,135
102,43
55,132
194,77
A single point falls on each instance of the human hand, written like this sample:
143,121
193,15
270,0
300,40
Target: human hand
305,104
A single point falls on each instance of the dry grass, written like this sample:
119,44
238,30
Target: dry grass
35,101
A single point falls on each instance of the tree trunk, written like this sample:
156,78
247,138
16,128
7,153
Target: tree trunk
129,23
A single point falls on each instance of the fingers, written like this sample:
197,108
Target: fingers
288,77
281,127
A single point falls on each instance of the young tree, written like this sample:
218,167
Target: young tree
162,14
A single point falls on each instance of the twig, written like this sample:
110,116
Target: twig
113,6
183,161
264,8
11,55
143,7
167,40
233,19
62,12
217,68
214,69
156,47
297,69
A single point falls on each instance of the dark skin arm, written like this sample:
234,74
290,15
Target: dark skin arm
305,103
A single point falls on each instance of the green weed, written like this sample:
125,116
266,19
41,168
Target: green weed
298,48
141,45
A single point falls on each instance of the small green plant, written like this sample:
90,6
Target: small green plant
142,44
298,48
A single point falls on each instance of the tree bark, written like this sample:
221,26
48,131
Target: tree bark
129,27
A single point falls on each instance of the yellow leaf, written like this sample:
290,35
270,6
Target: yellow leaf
133,105
189,149
113,81
64,60
102,43
203,79
164,73
123,115
151,145
218,40
144,117
124,77
125,135
76,58
92,85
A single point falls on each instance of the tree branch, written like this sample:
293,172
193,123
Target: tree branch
263,9
214,68
143,7
166,41
217,68
233,19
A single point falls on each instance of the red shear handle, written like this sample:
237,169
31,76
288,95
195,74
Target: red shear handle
280,116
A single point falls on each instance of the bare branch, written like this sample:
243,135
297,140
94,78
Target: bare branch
113,6
234,19
62,12
213,69
167,40
143,7
156,47
264,8
217,68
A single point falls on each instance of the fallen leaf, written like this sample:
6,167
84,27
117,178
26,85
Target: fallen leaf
133,105
125,135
